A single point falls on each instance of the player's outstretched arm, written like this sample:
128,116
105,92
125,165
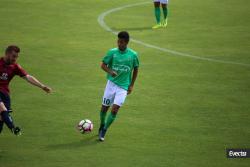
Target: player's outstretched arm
37,83
135,73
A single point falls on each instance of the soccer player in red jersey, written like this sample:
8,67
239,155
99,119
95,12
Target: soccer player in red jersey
8,69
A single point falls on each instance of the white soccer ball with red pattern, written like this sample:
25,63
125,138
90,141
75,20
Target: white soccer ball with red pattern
85,126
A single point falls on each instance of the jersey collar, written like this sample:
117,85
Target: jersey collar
123,52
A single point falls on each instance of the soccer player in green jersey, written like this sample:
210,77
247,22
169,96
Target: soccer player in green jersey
121,65
164,5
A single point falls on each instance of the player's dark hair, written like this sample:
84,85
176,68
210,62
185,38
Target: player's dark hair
12,48
123,35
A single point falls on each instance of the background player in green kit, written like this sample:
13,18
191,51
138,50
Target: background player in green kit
164,5
121,65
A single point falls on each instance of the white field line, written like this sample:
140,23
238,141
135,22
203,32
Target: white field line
172,52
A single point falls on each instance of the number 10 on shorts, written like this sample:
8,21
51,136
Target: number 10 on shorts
106,101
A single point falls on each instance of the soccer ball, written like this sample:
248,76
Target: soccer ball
85,126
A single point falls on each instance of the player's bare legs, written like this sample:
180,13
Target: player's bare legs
6,118
115,109
2,107
157,4
104,108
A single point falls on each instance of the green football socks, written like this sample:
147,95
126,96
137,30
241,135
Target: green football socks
110,119
158,15
103,117
165,13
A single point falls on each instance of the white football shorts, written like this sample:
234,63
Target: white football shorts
162,1
113,94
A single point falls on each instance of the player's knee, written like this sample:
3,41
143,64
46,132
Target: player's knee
157,4
114,112
164,5
115,109
1,111
2,107
104,108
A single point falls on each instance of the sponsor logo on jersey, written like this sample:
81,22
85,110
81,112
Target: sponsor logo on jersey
121,68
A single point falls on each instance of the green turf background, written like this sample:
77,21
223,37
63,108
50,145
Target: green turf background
183,112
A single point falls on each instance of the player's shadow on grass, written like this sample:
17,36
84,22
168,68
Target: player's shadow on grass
85,142
132,29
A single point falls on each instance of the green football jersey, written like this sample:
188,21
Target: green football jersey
123,63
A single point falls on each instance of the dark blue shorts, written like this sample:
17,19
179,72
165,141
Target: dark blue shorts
6,100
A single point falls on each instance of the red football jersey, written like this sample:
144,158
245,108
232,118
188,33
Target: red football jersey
7,72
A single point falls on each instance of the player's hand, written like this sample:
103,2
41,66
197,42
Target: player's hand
130,88
47,89
113,73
